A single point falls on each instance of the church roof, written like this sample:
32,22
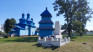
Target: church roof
23,17
45,28
16,26
45,21
13,30
21,24
46,13
28,17
31,25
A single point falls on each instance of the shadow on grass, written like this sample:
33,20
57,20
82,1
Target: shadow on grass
40,45
23,39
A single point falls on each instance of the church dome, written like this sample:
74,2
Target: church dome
28,17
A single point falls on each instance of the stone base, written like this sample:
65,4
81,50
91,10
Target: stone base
52,41
58,36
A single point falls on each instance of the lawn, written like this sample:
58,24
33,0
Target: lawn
29,44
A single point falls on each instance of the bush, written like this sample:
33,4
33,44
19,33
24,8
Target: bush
5,36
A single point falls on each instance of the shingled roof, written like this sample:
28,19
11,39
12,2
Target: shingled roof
45,22
45,28
46,13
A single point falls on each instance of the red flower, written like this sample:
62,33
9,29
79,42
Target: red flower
49,38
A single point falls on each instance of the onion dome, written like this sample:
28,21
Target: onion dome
28,17
22,20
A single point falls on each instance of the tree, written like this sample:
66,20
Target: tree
63,27
67,8
13,21
9,24
77,27
71,9
82,15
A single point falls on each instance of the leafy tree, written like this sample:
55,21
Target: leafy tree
13,21
77,27
74,11
9,24
63,27
82,15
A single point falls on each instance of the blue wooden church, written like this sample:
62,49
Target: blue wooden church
46,24
25,27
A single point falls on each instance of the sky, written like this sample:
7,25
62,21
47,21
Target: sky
15,8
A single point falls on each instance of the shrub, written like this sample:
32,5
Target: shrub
5,36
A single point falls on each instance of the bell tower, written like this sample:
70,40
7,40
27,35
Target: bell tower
46,24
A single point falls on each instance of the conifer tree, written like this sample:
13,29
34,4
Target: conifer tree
9,24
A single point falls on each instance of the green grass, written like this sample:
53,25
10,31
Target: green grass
88,34
18,39
29,44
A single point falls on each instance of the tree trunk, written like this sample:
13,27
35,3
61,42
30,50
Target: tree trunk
80,34
69,33
69,30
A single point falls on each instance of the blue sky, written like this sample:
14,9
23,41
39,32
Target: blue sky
15,8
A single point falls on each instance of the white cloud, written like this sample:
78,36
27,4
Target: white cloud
89,26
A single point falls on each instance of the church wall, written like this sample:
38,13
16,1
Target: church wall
46,25
17,33
24,32
46,18
22,21
29,30
43,33
33,31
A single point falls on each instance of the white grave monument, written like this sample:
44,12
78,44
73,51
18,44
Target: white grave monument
56,39
57,33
